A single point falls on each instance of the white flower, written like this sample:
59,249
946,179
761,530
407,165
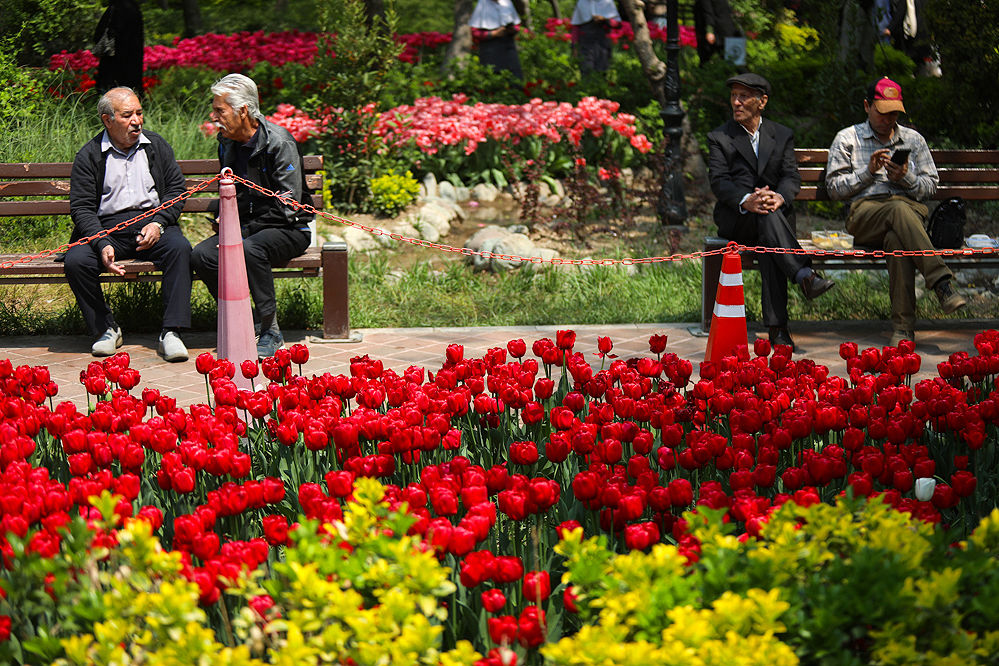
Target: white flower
924,489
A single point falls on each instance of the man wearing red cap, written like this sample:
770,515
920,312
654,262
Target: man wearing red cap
755,178
885,170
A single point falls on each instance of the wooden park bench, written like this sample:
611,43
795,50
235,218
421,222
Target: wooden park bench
36,189
970,174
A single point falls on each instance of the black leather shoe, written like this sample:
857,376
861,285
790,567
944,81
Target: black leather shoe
779,335
815,285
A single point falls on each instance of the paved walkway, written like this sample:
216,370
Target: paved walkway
399,348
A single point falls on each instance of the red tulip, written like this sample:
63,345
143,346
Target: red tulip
493,600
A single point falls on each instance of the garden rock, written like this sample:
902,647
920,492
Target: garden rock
498,240
463,194
427,231
358,240
428,188
402,227
445,190
485,192
547,254
459,212
436,215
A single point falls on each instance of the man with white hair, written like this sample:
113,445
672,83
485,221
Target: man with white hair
273,232
121,173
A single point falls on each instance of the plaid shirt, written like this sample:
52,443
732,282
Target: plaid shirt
847,175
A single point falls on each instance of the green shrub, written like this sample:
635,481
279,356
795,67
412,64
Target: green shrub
853,583
392,192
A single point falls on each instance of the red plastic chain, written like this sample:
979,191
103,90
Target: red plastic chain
556,261
731,247
200,187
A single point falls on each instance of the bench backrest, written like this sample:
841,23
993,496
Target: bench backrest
971,174
47,185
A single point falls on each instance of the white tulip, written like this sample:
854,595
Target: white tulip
924,489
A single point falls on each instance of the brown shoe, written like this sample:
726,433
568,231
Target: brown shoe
950,300
815,285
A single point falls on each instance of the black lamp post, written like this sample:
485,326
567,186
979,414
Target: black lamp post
672,207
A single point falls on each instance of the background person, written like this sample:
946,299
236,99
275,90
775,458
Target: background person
494,24
754,175
884,198
712,24
120,173
273,232
119,44
592,20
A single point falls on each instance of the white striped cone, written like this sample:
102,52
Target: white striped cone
236,341
728,321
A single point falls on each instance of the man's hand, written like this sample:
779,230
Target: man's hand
148,237
896,171
107,257
763,201
878,159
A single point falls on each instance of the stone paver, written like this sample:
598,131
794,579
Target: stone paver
400,348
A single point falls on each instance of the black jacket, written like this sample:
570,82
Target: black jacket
86,182
734,171
276,165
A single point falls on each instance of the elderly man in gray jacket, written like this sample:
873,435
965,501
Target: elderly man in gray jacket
273,232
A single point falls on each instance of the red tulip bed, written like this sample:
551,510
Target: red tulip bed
493,457
245,49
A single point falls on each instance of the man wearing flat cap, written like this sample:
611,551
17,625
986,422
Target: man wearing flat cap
755,178
884,170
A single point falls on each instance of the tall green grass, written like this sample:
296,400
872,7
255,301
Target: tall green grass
57,134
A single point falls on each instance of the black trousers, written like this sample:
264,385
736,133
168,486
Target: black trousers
261,251
171,254
594,48
501,53
773,230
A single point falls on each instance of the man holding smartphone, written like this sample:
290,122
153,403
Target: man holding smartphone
885,170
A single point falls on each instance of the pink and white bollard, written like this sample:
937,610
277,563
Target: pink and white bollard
236,341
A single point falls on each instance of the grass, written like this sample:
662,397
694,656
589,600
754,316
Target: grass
56,136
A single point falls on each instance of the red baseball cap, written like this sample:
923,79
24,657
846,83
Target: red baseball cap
887,96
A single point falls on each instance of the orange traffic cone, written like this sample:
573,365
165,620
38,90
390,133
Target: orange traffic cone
728,321
235,334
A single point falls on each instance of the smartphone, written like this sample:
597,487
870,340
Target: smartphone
901,156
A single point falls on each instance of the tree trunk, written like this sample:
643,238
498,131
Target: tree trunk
654,68
193,25
556,12
374,9
523,8
461,37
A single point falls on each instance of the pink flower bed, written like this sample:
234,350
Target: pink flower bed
431,123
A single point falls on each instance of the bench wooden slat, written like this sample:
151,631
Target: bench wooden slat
36,170
947,175
62,169
48,207
34,188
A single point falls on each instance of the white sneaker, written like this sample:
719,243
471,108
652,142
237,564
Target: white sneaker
171,347
108,343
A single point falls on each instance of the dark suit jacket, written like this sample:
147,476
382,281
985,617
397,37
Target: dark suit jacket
734,171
